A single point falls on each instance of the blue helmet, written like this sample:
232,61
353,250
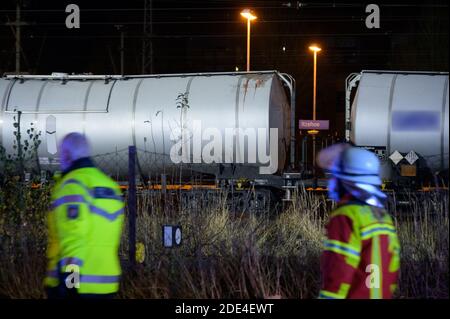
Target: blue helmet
358,172
351,164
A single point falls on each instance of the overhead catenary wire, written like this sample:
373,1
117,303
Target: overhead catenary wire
280,5
172,36
347,20
185,15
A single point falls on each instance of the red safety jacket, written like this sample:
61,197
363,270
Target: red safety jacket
361,254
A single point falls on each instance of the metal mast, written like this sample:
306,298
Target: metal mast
17,33
147,41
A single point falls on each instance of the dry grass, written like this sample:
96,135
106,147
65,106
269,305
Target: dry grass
225,255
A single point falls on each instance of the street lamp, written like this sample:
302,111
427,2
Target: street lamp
247,14
315,49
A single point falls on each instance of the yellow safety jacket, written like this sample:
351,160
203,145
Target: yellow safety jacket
85,224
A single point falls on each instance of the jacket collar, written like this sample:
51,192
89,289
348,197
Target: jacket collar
79,163
348,199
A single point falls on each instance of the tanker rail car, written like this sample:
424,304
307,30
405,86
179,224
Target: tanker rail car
209,131
403,118
224,128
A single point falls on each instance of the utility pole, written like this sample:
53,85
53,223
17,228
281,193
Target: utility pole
17,24
315,49
147,40
18,37
247,14
122,47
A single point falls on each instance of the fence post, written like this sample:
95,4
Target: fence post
132,204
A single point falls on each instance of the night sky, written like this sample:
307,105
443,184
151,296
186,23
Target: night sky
210,36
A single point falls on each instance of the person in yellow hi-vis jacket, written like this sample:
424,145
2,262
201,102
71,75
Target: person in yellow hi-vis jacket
84,225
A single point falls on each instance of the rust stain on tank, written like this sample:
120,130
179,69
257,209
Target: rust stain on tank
245,91
259,82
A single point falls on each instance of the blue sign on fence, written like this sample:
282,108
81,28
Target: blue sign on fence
416,121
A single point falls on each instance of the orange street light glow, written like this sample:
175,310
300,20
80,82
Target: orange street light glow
246,13
315,48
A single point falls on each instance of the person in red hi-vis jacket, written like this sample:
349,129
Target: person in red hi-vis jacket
361,252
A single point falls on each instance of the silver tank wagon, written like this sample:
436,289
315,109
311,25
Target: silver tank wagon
400,111
147,111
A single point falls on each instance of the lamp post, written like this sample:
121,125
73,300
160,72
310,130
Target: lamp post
247,14
315,49
122,48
